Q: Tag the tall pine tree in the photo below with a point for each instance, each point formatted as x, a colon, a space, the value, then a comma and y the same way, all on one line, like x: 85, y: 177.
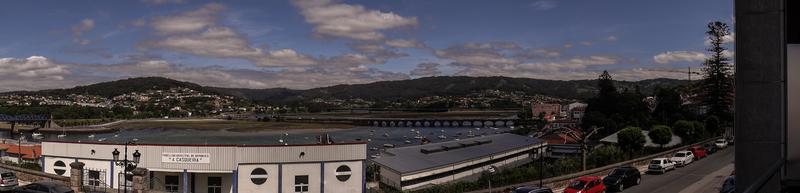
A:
x: 717, y: 85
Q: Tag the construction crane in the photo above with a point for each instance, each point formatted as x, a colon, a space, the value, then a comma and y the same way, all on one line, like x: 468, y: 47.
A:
x: 688, y: 72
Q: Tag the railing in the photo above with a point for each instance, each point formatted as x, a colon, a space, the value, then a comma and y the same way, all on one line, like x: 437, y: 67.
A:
x: 762, y: 180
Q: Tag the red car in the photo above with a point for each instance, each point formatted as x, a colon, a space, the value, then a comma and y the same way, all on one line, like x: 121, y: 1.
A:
x: 586, y: 184
x: 698, y: 151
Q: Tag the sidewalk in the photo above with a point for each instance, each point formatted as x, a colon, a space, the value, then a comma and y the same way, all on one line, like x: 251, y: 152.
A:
x: 711, y: 182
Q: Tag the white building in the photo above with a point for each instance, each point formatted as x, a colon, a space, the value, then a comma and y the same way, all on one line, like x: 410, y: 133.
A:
x: 417, y: 167
x: 313, y: 168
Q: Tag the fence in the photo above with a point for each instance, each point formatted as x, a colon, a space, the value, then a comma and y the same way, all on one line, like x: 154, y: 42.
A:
x: 560, y: 182
x: 34, y: 176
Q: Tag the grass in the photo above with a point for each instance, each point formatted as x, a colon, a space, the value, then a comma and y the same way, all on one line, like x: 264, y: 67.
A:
x: 230, y: 125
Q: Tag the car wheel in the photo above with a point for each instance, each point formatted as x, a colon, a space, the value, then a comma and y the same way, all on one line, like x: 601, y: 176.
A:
x: 638, y: 181
x: 621, y: 187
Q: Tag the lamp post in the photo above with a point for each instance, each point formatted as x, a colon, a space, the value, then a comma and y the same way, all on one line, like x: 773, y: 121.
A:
x: 125, y: 163
x: 491, y: 171
x: 541, y: 152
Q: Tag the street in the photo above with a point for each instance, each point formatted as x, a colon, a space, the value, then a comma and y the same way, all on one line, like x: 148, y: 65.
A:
x: 704, y: 176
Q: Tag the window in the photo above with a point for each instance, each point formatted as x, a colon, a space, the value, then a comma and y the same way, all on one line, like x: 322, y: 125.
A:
x: 343, y: 173
x: 214, y: 184
x: 94, y: 178
x: 258, y: 176
x: 171, y: 183
x: 301, y: 183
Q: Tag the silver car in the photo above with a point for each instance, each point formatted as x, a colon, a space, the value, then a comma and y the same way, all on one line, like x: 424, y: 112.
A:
x: 8, y: 181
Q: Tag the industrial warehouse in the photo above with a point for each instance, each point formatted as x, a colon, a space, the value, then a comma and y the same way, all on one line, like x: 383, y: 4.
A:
x: 415, y: 167
x: 313, y: 168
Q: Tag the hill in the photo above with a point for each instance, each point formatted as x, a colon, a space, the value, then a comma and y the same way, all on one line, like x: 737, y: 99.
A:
x: 446, y: 86
x: 384, y: 90
x: 119, y: 87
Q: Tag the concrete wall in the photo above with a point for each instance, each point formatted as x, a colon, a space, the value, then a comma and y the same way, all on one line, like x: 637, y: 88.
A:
x: 246, y: 185
x: 352, y: 185
x: 760, y: 89
x: 292, y: 170
x: 201, y: 182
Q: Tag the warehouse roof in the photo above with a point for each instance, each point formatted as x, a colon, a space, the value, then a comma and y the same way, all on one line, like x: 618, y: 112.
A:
x: 416, y: 158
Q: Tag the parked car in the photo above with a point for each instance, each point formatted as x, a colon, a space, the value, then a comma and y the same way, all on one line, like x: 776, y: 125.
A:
x: 661, y: 165
x: 682, y: 158
x: 44, y: 187
x: 533, y: 190
x: 625, y: 176
x: 710, y: 148
x: 698, y: 152
x: 586, y: 184
x: 721, y: 143
x: 8, y: 180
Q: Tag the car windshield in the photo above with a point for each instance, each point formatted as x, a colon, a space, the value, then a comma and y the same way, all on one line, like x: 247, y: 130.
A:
x: 679, y: 155
x: 578, y: 184
x: 7, y: 174
x: 655, y: 162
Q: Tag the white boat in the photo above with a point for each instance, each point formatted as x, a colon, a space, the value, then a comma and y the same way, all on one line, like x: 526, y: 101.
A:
x: 37, y: 135
x: 386, y: 134
x: 62, y: 136
x: 101, y: 139
x: 63, y: 133
x: 91, y: 136
x: 369, y: 139
x: 407, y: 142
x: 388, y: 145
x: 442, y: 137
x: 418, y: 137
x: 373, y: 149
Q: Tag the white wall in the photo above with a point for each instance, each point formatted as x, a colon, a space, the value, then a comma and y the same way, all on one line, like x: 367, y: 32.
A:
x: 292, y: 170
x: 352, y: 185
x: 246, y: 185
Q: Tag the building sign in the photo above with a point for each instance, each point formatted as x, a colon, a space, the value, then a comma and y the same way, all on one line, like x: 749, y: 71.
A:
x: 186, y: 158
x: 59, y: 167
x: 343, y: 173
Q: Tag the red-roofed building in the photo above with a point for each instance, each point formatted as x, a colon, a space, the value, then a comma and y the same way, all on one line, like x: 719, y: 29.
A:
x: 12, y: 152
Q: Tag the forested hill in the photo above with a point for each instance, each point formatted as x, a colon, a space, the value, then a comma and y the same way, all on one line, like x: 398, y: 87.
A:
x: 119, y: 87
x: 447, y: 86
x: 384, y: 90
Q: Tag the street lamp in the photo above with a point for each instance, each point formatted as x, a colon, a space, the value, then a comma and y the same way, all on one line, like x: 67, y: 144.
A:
x: 128, y: 165
x: 540, y: 154
x: 491, y: 171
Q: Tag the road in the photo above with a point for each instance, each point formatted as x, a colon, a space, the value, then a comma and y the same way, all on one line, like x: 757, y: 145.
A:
x: 704, y: 176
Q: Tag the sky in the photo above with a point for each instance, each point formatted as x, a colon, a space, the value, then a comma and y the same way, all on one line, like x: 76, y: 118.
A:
x: 303, y: 44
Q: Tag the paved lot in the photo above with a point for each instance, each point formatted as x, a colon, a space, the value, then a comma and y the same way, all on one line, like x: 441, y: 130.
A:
x: 703, y: 176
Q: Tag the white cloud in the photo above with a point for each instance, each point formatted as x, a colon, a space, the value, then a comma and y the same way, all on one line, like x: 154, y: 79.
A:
x: 188, y: 22
x: 679, y: 56
x: 585, y: 43
x: 571, y: 64
x: 349, y: 21
x: 544, y: 4
x: 426, y: 69
x: 730, y: 38
x: 34, y: 67
x: 83, y: 26
x: 401, y: 43
x: 611, y: 38
x: 214, y: 42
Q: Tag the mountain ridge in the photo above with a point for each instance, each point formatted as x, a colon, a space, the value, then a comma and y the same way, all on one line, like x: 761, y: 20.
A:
x: 382, y: 90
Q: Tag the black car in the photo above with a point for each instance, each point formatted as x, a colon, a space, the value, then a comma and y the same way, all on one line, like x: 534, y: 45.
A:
x: 710, y: 148
x: 44, y: 187
x: 532, y: 190
x: 622, y: 177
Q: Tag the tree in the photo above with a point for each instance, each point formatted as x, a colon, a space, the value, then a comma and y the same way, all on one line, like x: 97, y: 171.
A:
x: 631, y: 139
x: 712, y: 125
x: 605, y: 155
x: 683, y: 129
x: 661, y: 135
x: 717, y: 84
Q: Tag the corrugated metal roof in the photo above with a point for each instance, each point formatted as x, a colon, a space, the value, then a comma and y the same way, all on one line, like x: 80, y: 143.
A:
x: 411, y: 159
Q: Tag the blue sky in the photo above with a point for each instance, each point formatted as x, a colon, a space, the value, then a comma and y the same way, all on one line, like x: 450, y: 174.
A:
x: 313, y: 43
